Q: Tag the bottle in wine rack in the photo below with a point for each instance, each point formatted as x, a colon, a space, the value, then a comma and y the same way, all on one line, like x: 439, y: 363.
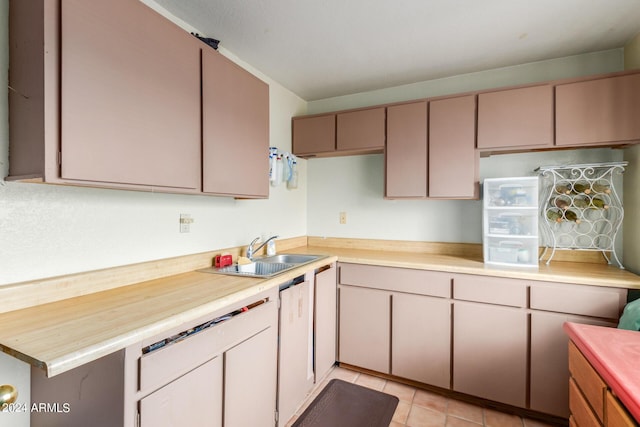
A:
x: 563, y: 189
x: 554, y: 216
x: 581, y: 202
x: 579, y: 188
x: 601, y: 188
x: 599, y: 203
x: 571, y: 216
x: 561, y: 203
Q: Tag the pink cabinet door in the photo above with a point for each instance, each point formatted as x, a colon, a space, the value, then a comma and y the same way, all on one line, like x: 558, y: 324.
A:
x: 361, y: 130
x: 325, y: 322
x: 235, y: 114
x: 130, y: 91
x: 406, y: 151
x: 251, y: 381
x: 421, y: 339
x: 515, y: 118
x: 598, y: 111
x: 294, y: 378
x: 365, y: 334
x: 549, y: 361
x: 490, y: 352
x: 314, y: 135
x: 453, y: 163
x: 194, y: 399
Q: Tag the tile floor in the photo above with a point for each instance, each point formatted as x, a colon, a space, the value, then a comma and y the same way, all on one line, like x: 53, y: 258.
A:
x: 420, y: 408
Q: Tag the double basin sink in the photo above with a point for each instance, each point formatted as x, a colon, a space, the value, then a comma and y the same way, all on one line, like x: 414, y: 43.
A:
x: 265, y: 267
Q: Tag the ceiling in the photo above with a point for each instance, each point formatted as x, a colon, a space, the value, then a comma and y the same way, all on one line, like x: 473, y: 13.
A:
x: 325, y: 48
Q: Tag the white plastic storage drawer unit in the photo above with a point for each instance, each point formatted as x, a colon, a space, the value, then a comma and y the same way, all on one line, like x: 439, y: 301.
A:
x: 510, y: 221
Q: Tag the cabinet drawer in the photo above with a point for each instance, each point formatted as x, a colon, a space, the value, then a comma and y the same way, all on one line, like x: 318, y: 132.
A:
x: 407, y: 280
x: 163, y: 365
x: 491, y: 290
x: 578, y: 299
x: 591, y: 386
x: 616, y: 414
x: 580, y: 409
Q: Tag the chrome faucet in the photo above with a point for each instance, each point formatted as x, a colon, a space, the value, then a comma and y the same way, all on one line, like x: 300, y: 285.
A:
x: 251, y: 250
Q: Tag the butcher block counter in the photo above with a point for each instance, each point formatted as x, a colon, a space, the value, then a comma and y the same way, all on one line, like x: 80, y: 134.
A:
x: 62, y: 335
x: 61, y: 323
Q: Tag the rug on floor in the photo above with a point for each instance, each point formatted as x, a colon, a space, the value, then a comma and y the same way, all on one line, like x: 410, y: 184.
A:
x: 343, y: 404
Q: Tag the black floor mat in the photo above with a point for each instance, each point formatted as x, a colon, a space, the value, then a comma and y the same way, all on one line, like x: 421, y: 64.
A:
x: 343, y: 404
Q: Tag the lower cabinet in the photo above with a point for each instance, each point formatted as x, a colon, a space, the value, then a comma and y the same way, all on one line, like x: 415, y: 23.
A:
x: 549, y: 369
x: 365, y: 334
x: 490, y: 352
x: 295, y: 375
x: 210, y: 377
x: 391, y: 327
x: 498, y: 339
x: 189, y: 400
x: 325, y: 321
x: 307, y: 338
x: 250, y: 382
x: 421, y: 339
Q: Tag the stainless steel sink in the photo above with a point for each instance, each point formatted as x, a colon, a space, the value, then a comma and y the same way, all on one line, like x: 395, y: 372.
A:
x: 265, y: 267
x: 289, y: 258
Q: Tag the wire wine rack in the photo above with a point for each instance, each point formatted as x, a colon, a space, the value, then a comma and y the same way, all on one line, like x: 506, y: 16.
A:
x: 580, y: 208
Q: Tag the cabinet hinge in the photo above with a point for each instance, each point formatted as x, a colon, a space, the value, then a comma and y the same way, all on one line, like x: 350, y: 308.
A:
x: 59, y: 158
x: 275, y: 416
x: 137, y: 420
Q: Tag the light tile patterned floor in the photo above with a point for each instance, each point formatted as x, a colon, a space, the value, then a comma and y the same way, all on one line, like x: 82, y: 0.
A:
x: 420, y: 408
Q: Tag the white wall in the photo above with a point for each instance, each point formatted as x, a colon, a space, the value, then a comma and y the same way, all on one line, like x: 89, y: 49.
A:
x: 54, y: 230
x: 356, y: 184
x: 632, y: 178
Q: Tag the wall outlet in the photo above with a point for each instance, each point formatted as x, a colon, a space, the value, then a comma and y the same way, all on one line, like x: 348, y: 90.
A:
x: 185, y: 223
x: 343, y: 217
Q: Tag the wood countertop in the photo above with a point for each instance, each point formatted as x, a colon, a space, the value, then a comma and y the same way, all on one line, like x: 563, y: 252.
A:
x: 62, y: 335
x: 69, y: 331
x: 614, y: 354
x: 563, y: 272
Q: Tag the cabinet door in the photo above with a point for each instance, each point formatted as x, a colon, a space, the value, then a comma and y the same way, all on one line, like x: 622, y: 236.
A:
x: 453, y: 163
x: 295, y: 377
x: 325, y: 322
x: 365, y: 317
x: 549, y: 361
x: 361, y: 130
x: 598, y: 111
x: 490, y: 352
x: 406, y: 151
x: 421, y: 339
x: 251, y: 381
x: 314, y: 135
x: 235, y: 109
x: 130, y: 90
x: 515, y: 118
x: 194, y: 399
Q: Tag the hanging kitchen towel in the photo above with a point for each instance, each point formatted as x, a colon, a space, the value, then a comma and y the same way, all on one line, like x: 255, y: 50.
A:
x: 630, y: 318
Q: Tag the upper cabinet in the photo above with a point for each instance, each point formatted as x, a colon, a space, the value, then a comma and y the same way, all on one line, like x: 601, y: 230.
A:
x: 361, y: 130
x: 235, y: 129
x: 314, y: 135
x: 453, y: 162
x: 598, y: 111
x: 430, y: 149
x: 108, y: 94
x: 516, y: 118
x: 353, y: 132
x: 406, y: 151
